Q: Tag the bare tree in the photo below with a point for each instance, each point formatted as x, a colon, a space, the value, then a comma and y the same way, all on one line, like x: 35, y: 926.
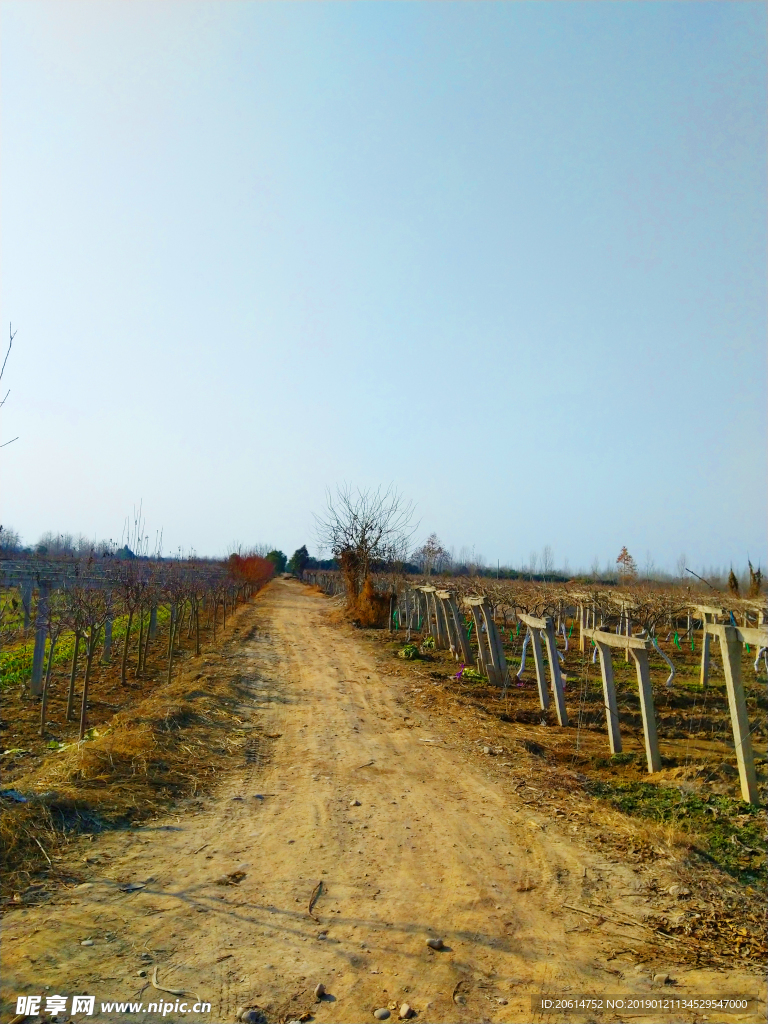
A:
x: 96, y: 608
x: 430, y: 555
x: 547, y: 561
x: 361, y: 527
x: 77, y: 624
x: 649, y: 566
x: 57, y: 622
x: 533, y: 562
x: 680, y: 565
x: 2, y: 371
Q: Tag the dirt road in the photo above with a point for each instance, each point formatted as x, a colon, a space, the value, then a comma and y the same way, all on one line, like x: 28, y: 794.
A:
x: 409, y: 832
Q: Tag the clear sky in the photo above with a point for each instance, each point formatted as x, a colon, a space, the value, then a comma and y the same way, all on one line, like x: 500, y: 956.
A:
x: 510, y: 257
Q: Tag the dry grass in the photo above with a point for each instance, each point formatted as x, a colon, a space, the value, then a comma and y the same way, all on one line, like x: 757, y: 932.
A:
x: 170, y: 745
x: 369, y: 609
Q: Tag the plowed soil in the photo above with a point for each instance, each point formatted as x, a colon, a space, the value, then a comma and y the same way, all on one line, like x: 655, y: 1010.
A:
x: 351, y: 827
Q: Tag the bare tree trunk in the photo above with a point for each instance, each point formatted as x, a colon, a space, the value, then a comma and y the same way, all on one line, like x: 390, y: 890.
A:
x: 92, y: 641
x: 140, y: 645
x: 72, y: 677
x: 124, y: 663
x: 224, y: 609
x: 174, y: 630
x: 171, y: 628
x: 197, y: 631
x: 46, y: 682
x: 215, y: 616
x: 146, y: 648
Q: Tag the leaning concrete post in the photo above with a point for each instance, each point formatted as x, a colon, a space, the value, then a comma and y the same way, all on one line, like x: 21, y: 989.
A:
x: 464, y: 647
x: 443, y: 640
x: 153, y: 622
x: 495, y: 644
x: 483, y: 659
x: 433, y: 612
x: 609, y: 697
x: 450, y: 627
x: 581, y: 627
x: 647, y: 710
x: 538, y: 661
x: 704, y: 671
x: 106, y: 655
x: 554, y: 668
x: 730, y: 649
x: 431, y: 620
x: 41, y: 631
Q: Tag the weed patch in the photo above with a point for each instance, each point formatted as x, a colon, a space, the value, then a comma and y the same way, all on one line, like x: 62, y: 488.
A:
x: 729, y: 833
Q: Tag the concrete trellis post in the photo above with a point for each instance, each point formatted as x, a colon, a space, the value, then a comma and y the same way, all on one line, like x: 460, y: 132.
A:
x: 489, y: 648
x: 443, y: 636
x: 436, y: 618
x: 647, y: 710
x: 546, y: 627
x: 538, y: 661
x: 415, y: 610
x: 731, y: 638
x: 428, y: 618
x: 457, y: 634
x: 484, y: 660
x: 153, y: 622
x: 609, y: 697
x: 41, y: 631
x: 707, y: 615
x: 639, y: 651
x: 26, y: 602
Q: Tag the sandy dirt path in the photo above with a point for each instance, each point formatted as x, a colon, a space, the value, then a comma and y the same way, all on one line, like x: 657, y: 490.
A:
x: 411, y: 837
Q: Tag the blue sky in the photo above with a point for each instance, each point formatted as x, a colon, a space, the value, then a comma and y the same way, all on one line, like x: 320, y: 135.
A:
x: 510, y: 257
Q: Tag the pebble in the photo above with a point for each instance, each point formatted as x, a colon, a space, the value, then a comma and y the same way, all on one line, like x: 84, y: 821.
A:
x: 502, y: 1002
x: 406, y: 1012
x: 661, y: 979
x: 141, y: 974
x: 381, y: 1014
x: 435, y: 943
x: 87, y: 942
x: 319, y: 991
x: 354, y: 803
x: 251, y: 1017
x: 678, y: 890
x: 487, y: 750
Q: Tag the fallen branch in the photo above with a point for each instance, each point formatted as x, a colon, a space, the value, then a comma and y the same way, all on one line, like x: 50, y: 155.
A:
x: 313, y: 899
x: 171, y: 991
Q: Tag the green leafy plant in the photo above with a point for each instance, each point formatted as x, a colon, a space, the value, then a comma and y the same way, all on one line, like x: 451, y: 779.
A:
x: 410, y: 652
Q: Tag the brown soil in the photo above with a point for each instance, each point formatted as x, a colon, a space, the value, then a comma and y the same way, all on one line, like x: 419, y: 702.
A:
x: 534, y: 887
